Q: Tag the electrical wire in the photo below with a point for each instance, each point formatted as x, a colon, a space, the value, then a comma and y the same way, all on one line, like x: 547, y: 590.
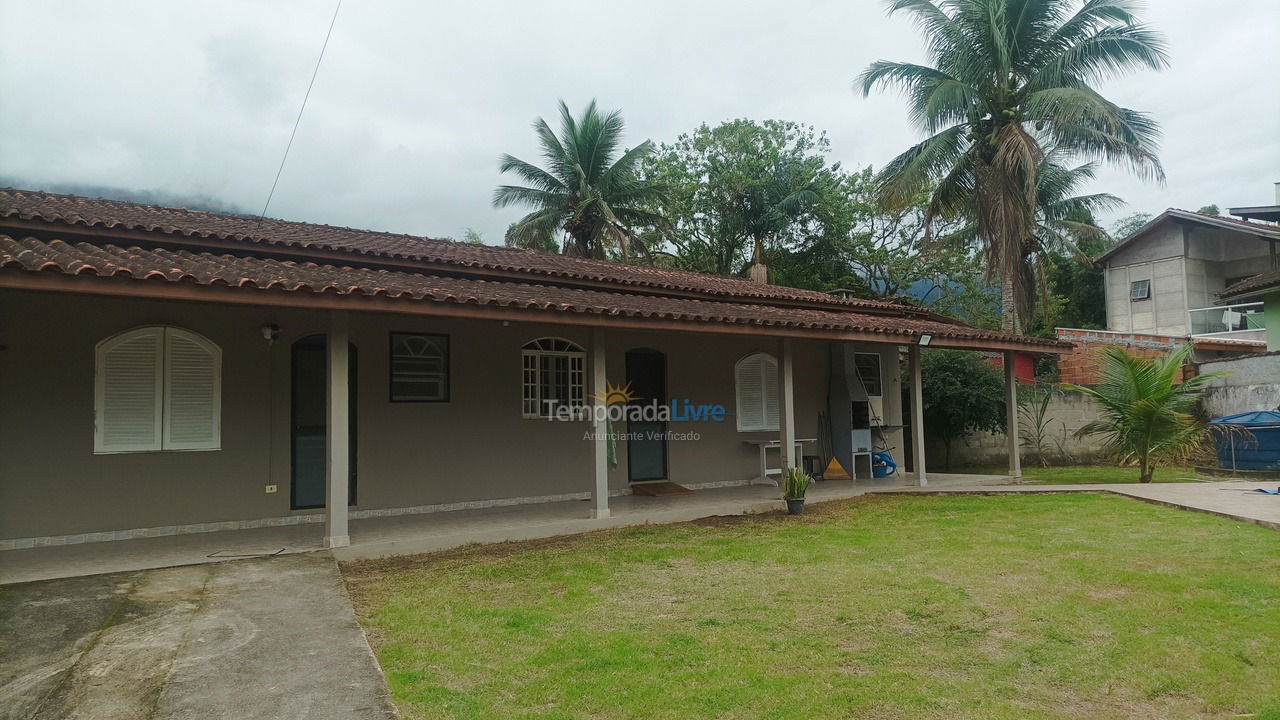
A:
x: 298, y: 121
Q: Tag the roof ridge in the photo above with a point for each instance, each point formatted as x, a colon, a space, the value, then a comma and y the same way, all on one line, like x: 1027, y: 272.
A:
x: 687, y: 280
x: 1238, y: 221
x: 188, y: 267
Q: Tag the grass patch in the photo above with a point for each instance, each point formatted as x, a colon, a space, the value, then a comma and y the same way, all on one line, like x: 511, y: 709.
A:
x: 1091, y: 474
x: 1055, y: 606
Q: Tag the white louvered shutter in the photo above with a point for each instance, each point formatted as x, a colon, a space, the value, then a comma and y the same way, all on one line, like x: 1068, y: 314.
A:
x: 129, y: 392
x: 769, y: 370
x: 192, y: 392
x: 750, y: 388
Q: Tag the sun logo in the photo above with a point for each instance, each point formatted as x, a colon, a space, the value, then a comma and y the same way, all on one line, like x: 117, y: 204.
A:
x: 615, y: 394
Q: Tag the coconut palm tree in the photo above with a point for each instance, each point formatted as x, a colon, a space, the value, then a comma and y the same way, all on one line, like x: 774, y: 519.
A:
x: 1064, y: 221
x: 588, y: 191
x: 1146, y: 414
x: 1008, y: 79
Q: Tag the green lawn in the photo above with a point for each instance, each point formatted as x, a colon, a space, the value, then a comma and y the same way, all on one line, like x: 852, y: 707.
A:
x: 1089, y: 474
x: 1051, y: 606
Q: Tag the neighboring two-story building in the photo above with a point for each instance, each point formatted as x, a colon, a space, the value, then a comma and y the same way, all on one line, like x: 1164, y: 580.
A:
x: 1168, y: 284
x: 1165, y: 278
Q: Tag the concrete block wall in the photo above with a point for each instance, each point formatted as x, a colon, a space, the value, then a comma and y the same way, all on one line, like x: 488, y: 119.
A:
x: 1254, y: 384
x: 1068, y: 412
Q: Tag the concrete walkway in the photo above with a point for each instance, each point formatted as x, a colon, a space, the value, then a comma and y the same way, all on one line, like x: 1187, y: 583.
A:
x: 265, y: 638
x: 1235, y: 499
x: 429, y: 532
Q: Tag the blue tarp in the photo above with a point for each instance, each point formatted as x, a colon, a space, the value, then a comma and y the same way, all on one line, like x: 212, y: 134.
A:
x: 1259, y: 452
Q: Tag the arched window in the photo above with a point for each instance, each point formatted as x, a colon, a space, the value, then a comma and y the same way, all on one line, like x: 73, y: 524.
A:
x: 157, y: 388
x: 553, y: 375
x: 756, y: 379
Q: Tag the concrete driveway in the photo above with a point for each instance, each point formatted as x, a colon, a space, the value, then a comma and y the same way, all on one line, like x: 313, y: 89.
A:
x: 258, y: 638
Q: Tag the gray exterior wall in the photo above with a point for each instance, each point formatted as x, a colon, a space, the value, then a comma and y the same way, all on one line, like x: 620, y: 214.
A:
x: 1067, y: 413
x: 1158, y: 258
x: 1253, y: 384
x: 1187, y: 265
x: 474, y: 447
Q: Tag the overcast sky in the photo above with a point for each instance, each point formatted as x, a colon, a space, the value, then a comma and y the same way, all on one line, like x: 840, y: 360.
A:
x: 416, y: 100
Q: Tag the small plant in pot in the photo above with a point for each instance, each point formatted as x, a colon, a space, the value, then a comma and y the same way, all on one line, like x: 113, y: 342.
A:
x: 795, y: 482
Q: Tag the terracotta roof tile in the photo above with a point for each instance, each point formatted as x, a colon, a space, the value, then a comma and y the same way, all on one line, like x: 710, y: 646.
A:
x: 1261, y: 281
x: 213, y: 269
x: 223, y: 230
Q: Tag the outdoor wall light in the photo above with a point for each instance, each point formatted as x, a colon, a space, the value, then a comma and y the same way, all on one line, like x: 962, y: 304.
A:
x: 270, y: 332
x: 925, y: 339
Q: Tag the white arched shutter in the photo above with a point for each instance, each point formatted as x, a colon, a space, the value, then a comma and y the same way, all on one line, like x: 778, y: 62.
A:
x: 756, y: 378
x: 192, y: 392
x: 770, y: 372
x: 129, y: 392
x: 750, y: 395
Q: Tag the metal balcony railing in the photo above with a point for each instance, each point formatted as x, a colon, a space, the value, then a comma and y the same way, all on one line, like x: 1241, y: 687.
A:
x: 1223, y: 319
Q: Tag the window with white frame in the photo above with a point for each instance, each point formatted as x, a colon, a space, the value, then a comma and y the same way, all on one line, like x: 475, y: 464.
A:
x: 157, y: 388
x: 1139, y: 290
x: 868, y: 366
x: 553, y: 377
x: 419, y: 367
x: 756, y: 382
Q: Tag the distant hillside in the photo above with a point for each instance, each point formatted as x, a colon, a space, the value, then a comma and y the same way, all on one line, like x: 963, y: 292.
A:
x: 148, y: 197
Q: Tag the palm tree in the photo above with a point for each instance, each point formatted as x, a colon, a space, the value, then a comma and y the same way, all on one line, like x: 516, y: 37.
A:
x: 588, y: 190
x: 1064, y: 222
x: 1145, y: 412
x: 1010, y: 77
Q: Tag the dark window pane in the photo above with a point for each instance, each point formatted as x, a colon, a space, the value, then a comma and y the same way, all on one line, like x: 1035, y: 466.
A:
x: 419, y: 368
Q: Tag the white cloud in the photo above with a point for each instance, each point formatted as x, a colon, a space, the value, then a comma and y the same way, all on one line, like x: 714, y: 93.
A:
x: 415, y: 102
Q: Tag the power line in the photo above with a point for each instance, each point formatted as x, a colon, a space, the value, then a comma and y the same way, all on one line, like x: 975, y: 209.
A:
x: 298, y: 121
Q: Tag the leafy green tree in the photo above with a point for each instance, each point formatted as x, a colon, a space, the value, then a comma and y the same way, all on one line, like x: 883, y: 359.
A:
x: 744, y: 190
x: 1011, y: 80
x: 1146, y: 413
x: 1079, y: 285
x: 1210, y: 210
x: 589, y: 190
x: 1130, y: 224
x: 963, y: 394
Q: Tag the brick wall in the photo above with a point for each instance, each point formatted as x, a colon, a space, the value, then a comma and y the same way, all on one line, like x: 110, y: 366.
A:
x: 1080, y: 366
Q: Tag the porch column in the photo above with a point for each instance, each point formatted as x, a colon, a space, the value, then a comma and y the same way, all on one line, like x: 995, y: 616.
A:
x: 1011, y: 414
x: 786, y: 409
x: 917, y: 413
x: 337, y: 435
x: 599, y: 428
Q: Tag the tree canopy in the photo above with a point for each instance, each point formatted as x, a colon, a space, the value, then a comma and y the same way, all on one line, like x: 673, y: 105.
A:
x: 743, y: 190
x: 588, y: 190
x: 963, y: 394
x: 1012, y: 81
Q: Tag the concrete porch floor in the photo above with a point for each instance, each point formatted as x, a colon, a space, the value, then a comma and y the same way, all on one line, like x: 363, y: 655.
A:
x: 409, y: 534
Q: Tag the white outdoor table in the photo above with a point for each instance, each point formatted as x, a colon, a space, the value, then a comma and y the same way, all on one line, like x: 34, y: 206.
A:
x: 766, y: 473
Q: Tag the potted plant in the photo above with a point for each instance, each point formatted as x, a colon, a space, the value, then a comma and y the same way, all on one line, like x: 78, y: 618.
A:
x: 794, y: 484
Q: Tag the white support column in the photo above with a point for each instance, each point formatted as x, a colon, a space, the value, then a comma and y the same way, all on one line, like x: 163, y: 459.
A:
x: 599, y: 429
x: 337, y: 435
x: 917, y: 413
x: 1011, y: 414
x: 786, y: 409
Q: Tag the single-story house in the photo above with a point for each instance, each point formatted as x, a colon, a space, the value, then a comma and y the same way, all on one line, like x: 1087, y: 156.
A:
x: 167, y: 371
